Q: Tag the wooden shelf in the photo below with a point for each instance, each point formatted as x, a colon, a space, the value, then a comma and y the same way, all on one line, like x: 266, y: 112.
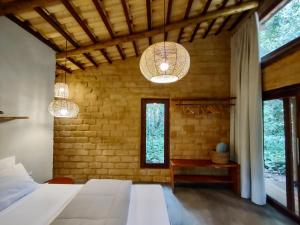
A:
x: 13, y: 117
x: 205, y: 179
x: 233, y: 169
x: 199, y: 163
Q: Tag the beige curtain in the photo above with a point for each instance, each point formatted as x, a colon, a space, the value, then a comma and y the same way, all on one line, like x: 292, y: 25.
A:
x: 246, y: 116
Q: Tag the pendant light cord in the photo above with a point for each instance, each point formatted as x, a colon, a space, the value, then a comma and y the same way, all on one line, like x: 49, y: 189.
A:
x: 66, y: 61
x: 165, y: 54
x: 164, y: 16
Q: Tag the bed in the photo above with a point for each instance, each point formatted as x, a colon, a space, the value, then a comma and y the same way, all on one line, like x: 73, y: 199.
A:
x: 98, y: 202
x: 147, y: 205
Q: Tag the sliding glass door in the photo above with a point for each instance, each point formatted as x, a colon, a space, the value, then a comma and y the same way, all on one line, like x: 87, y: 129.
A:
x: 274, y: 150
x: 281, y: 147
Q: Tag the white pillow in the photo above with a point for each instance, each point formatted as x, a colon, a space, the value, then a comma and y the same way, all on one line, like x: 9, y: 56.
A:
x: 16, y: 170
x: 15, y: 183
x: 7, y: 162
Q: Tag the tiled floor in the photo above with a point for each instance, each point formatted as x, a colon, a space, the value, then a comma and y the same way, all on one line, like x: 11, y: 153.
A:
x: 213, y: 206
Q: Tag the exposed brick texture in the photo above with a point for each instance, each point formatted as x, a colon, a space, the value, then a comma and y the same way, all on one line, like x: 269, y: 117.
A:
x: 104, y: 141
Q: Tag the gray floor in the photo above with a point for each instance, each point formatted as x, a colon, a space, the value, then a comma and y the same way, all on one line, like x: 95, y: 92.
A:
x: 213, y: 206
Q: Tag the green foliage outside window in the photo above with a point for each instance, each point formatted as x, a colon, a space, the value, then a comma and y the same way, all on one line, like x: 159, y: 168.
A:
x: 281, y: 28
x: 274, y: 137
x: 155, y: 113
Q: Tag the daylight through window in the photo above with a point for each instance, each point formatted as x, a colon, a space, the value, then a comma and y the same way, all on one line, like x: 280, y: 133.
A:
x: 280, y: 28
x: 155, y: 137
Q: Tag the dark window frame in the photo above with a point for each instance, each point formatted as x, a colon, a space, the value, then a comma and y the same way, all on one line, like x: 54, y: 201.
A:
x: 284, y: 93
x: 143, y: 163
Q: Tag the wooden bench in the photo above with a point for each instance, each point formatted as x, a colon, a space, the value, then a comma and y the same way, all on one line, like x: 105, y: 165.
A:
x: 233, y: 177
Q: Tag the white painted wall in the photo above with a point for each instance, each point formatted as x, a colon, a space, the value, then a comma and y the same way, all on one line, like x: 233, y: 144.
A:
x: 27, y: 72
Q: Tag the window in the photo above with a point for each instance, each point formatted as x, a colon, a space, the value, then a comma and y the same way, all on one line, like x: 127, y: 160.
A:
x: 281, y: 28
x: 155, y: 133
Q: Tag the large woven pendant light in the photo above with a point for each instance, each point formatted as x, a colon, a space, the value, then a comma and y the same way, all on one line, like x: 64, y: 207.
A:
x: 165, y: 62
x: 61, y: 106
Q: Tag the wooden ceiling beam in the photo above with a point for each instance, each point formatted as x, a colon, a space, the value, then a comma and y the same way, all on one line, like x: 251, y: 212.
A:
x: 80, y: 21
x: 237, y: 21
x: 211, y: 24
x: 56, y: 25
x: 27, y: 26
x: 149, y: 18
x: 204, y: 11
x: 129, y: 24
x: 19, y: 6
x: 214, y: 21
x: 84, y: 26
x: 76, y: 63
x: 90, y: 58
x: 158, y: 30
x: 104, y: 53
x: 100, y: 9
x: 61, y: 67
x: 226, y: 20
x: 170, y: 5
x: 186, y: 16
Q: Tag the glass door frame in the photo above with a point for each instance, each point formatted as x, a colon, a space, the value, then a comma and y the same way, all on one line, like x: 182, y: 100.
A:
x: 285, y: 94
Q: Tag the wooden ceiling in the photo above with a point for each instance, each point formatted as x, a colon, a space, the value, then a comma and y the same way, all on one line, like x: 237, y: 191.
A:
x: 102, y: 31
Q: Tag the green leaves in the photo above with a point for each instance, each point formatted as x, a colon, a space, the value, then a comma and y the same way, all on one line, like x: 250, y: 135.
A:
x: 155, y: 133
x: 281, y: 28
x: 274, y: 137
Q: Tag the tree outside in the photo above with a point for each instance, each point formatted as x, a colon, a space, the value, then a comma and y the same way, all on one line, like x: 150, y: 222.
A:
x: 281, y: 28
x: 155, y: 113
x: 274, y: 137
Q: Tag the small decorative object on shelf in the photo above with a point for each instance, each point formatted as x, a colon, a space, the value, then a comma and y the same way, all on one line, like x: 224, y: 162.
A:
x: 219, y: 157
x: 222, y: 147
x: 221, y: 154
x: 1, y: 112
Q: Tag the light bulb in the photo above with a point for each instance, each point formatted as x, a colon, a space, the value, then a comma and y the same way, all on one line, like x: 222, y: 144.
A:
x: 63, y: 112
x: 164, y: 66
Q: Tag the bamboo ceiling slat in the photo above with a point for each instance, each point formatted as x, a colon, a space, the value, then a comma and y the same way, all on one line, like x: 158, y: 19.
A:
x: 120, y: 25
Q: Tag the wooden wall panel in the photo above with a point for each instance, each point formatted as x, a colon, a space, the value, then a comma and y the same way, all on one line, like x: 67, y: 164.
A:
x: 284, y: 72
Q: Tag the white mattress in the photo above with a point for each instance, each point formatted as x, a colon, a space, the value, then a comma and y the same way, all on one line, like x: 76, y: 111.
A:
x: 41, y: 206
x: 147, y: 205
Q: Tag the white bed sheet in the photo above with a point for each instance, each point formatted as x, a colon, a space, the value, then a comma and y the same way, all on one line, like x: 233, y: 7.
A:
x: 41, y: 207
x: 147, y: 206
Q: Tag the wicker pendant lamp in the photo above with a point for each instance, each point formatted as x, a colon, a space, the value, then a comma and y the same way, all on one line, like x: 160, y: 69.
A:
x: 61, y: 106
x: 165, y: 62
x: 61, y: 90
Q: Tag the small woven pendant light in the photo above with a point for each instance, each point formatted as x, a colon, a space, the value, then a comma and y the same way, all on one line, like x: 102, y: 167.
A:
x: 61, y: 90
x: 165, y: 62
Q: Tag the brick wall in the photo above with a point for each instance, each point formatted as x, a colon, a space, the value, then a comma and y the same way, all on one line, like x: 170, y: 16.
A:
x: 104, y: 141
